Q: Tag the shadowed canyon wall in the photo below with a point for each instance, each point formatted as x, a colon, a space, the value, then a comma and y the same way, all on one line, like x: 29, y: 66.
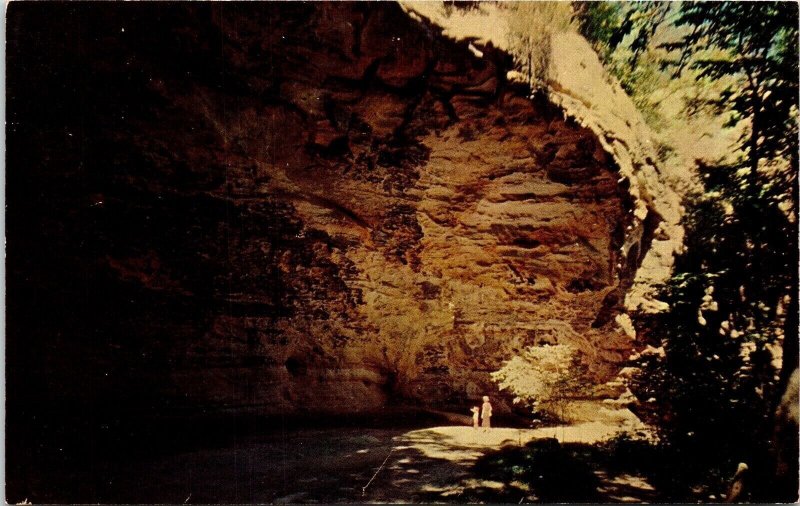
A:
x: 296, y: 207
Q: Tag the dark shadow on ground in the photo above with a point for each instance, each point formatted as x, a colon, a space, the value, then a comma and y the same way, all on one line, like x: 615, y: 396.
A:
x: 241, y: 457
x: 552, y: 472
x: 257, y: 462
x: 619, y: 470
x: 541, y: 471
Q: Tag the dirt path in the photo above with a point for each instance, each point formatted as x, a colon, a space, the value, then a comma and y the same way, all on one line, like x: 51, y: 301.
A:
x: 461, y: 464
x: 436, y: 464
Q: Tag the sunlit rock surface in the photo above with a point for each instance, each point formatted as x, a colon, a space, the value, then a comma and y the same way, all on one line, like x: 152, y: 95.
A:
x: 311, y: 207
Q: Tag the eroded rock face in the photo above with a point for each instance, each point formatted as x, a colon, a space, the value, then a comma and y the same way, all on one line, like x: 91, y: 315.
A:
x: 324, y: 207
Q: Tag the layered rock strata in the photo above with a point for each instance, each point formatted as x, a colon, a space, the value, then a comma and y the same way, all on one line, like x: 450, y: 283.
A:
x: 300, y: 207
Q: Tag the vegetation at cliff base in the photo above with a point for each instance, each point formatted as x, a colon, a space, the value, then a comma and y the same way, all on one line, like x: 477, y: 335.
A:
x: 730, y: 334
x: 544, y: 378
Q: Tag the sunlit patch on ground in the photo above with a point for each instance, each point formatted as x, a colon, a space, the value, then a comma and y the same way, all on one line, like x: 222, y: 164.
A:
x: 459, y: 443
x: 625, y: 488
x: 463, y: 464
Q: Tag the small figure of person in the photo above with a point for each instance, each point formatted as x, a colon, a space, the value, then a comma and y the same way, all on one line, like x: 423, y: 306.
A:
x: 486, y: 414
x: 475, y: 415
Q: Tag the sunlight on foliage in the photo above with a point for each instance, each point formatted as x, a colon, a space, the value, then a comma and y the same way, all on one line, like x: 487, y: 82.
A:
x: 544, y: 378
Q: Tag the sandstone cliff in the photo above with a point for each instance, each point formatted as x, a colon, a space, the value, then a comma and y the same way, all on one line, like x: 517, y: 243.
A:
x: 324, y: 207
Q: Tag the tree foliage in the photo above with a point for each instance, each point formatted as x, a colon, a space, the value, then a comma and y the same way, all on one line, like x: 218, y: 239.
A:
x: 607, y: 24
x: 713, y: 386
x: 544, y: 378
x: 621, y: 34
x: 733, y: 295
x: 757, y: 42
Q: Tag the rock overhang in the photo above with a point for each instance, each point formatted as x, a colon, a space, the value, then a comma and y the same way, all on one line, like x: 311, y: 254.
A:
x: 362, y: 211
